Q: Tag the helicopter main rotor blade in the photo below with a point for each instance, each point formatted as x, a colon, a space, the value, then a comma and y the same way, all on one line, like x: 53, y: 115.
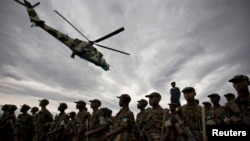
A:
x: 112, y: 49
x: 110, y: 34
x: 71, y: 24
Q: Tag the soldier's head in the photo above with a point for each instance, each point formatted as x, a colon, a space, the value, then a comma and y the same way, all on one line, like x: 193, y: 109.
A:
x: 214, y: 97
x: 142, y: 103
x: 34, y: 109
x: 240, y: 83
x: 229, y: 96
x: 80, y: 104
x: 5, y: 107
x: 24, y: 108
x: 12, y: 108
x: 189, y: 93
x: 95, y: 103
x: 124, y: 99
x: 43, y: 102
x: 207, y: 104
x: 154, y: 98
x: 72, y: 115
x: 62, y: 107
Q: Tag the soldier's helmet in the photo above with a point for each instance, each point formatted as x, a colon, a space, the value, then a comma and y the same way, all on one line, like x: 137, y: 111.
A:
x: 25, y: 107
x: 145, y: 102
x: 44, y: 101
x: 126, y: 97
x: 239, y: 77
x: 34, y: 109
x: 96, y: 101
x: 81, y: 102
x: 154, y: 94
x: 188, y: 89
x: 63, y: 106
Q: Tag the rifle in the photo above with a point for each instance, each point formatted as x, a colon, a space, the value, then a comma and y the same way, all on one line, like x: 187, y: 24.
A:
x: 186, y: 130
x: 142, y: 133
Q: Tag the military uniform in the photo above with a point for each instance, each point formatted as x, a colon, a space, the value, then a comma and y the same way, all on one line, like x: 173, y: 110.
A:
x: 82, y: 118
x: 24, y: 126
x: 217, y: 113
x: 155, y: 118
x: 240, y: 107
x: 43, y: 119
x: 60, y: 120
x: 124, y: 118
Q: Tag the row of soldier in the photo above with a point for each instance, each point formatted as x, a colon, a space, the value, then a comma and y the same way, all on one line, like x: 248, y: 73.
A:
x: 176, y: 123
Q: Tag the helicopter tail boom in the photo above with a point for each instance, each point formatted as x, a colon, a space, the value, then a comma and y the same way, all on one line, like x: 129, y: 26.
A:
x: 30, y: 9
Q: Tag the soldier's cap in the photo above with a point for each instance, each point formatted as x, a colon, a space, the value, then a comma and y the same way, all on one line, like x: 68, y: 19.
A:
x: 206, y: 103
x: 81, y: 102
x: 96, y: 101
x: 172, y: 103
x: 213, y: 95
x: 25, y: 107
x: 188, y: 89
x: 239, y: 77
x: 229, y: 95
x: 45, y: 101
x: 154, y: 94
x: 143, y: 100
x: 125, y: 96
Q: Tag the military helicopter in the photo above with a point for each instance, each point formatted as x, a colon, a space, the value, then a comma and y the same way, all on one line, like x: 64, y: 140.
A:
x: 83, y: 49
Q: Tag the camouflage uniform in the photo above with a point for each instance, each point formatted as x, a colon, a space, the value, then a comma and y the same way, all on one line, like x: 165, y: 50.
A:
x: 124, y: 118
x: 96, y: 121
x: 155, y: 118
x: 24, y: 125
x: 82, y: 118
x: 154, y: 121
x: 60, y: 120
x: 190, y: 116
x: 217, y: 113
x: 240, y: 106
x: 44, y: 118
x: 69, y: 129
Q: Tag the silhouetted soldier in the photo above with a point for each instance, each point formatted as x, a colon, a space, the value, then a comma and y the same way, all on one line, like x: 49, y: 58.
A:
x: 190, y: 115
x: 242, y: 100
x: 24, y: 124
x: 175, y: 94
x: 140, y: 117
x: 57, y: 127
x: 3, y: 121
x: 82, y: 118
x: 156, y: 117
x: 123, y: 121
x: 34, y: 130
x: 218, y: 112
x: 44, y: 118
x: 10, y: 123
x: 70, y: 127
x: 97, y: 122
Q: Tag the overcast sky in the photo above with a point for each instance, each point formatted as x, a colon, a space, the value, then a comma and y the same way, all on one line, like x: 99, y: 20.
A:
x: 197, y: 43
